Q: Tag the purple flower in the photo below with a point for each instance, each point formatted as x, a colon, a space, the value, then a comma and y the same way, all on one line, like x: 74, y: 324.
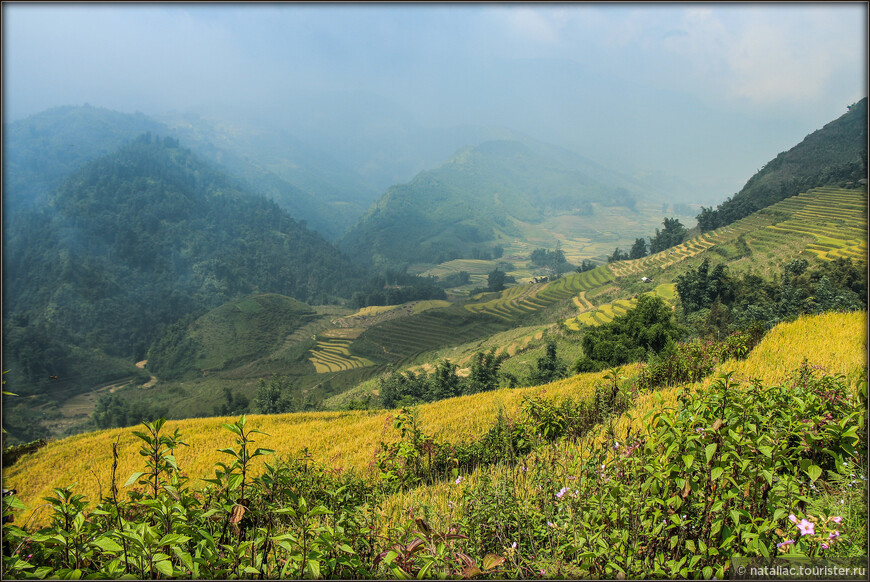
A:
x: 833, y: 535
x: 824, y: 546
x: 458, y: 480
x: 514, y: 545
x: 793, y: 518
x: 550, y: 524
x: 562, y: 492
x: 784, y: 544
x: 807, y: 528
x: 837, y: 519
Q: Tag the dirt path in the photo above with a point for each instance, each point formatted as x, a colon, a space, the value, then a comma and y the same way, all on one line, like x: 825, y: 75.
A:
x: 151, y: 381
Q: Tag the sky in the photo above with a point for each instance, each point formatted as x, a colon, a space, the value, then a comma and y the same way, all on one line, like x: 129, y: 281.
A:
x: 706, y: 92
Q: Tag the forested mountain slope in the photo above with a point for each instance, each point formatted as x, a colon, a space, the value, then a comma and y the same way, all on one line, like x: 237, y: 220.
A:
x: 39, y: 152
x: 473, y: 199
x: 835, y: 155
x: 138, y: 239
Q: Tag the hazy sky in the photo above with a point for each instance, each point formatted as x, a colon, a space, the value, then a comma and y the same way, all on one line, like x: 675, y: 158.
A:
x: 705, y: 92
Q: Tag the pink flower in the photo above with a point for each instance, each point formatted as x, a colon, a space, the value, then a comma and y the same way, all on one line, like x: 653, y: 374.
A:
x: 458, y: 480
x: 784, y: 544
x: 833, y: 535
x: 793, y: 518
x: 824, y: 546
x: 837, y: 519
x: 807, y: 528
x: 514, y: 545
x: 562, y: 492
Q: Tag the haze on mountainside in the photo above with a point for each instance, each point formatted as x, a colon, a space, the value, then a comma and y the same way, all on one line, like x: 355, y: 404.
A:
x: 691, y: 95
x: 134, y: 223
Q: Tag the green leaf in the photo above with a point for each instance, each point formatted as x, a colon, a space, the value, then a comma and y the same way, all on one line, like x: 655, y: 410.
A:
x: 234, y: 480
x: 766, y: 451
x: 107, y: 544
x: 173, y: 540
x: 314, y: 568
x: 716, y: 473
x: 814, y: 471
x: 133, y: 478
x: 688, y: 460
x: 710, y: 450
x: 164, y: 567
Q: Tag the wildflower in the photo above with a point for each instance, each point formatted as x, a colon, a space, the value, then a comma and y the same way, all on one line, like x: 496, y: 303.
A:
x: 833, y: 535
x: 514, y: 545
x: 837, y: 518
x: 807, y: 528
x: 792, y: 518
x: 458, y: 480
x: 824, y: 546
x: 562, y: 492
x: 543, y: 573
x: 615, y: 445
x: 550, y: 524
x: 784, y: 544
x: 450, y: 504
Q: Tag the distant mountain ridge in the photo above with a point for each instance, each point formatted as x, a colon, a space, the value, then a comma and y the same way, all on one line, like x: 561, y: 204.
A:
x: 473, y: 199
x: 140, y: 238
x: 835, y: 155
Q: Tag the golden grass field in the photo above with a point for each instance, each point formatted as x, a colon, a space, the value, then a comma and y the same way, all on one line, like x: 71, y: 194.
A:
x: 837, y: 342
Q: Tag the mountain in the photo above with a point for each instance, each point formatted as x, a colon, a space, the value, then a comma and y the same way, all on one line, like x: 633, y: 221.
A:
x: 475, y: 199
x: 41, y: 151
x: 835, y: 155
x: 138, y: 239
x: 311, y: 184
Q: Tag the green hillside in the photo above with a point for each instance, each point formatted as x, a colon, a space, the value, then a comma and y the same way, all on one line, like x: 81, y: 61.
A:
x: 835, y: 155
x: 232, y: 335
x: 133, y: 242
x: 39, y: 152
x: 472, y: 202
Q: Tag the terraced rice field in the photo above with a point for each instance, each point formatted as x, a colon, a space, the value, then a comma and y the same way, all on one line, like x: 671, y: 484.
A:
x: 521, y: 300
x: 690, y: 248
x: 331, y: 353
x: 836, y: 219
x: 605, y: 313
x: 403, y: 338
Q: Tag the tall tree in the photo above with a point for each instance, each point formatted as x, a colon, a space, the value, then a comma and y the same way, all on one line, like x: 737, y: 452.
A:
x: 638, y: 249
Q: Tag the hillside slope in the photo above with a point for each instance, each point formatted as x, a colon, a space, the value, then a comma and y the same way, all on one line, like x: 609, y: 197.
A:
x: 835, y: 155
x: 836, y: 342
x: 136, y: 240
x: 474, y: 199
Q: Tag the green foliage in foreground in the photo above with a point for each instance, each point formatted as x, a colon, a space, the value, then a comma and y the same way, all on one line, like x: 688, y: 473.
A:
x: 730, y: 472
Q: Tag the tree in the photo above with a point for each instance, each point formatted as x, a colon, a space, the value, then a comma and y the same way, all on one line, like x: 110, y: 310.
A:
x: 673, y: 234
x: 617, y: 255
x: 638, y: 249
x: 699, y: 288
x: 549, y: 367
x: 495, y: 280
x: 274, y: 397
x: 484, y: 372
x: 445, y: 383
x: 649, y: 327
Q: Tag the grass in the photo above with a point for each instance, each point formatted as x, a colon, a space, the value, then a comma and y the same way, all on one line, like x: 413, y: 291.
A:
x: 837, y: 342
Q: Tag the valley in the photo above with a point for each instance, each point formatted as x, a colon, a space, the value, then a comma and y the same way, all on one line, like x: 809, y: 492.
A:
x: 498, y: 314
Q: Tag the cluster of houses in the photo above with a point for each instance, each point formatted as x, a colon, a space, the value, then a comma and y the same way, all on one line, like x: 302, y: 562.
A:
x: 539, y: 280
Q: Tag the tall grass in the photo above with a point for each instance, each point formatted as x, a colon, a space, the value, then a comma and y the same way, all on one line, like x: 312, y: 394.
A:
x: 836, y: 342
